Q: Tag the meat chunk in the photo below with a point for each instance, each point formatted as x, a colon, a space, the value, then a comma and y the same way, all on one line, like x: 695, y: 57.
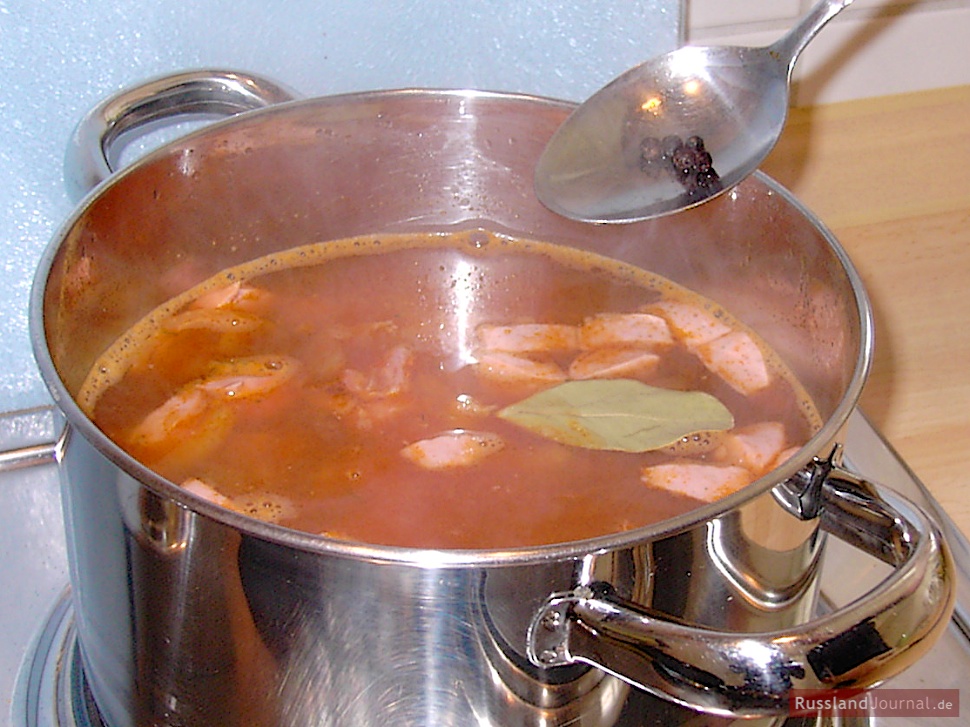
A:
x: 459, y: 448
x: 246, y: 378
x: 755, y: 447
x: 235, y: 308
x: 784, y: 456
x: 738, y: 360
x: 509, y: 367
x: 706, y: 482
x: 186, y: 404
x: 528, y: 338
x: 206, y: 492
x: 639, y: 330
x: 206, y: 397
x: 691, y: 324
x: 267, y: 506
x: 390, y: 378
x: 216, y: 320
x: 613, y: 363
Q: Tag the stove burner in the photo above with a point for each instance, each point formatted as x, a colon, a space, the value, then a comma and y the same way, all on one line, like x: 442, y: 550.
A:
x: 52, y: 689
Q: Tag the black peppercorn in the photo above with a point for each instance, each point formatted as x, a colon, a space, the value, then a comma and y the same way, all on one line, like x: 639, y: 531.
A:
x: 708, y: 179
x: 671, y: 144
x: 686, y: 161
x: 683, y: 159
x: 695, y: 142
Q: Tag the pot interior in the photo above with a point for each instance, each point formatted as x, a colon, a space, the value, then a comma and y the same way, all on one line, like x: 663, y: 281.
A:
x: 416, y: 161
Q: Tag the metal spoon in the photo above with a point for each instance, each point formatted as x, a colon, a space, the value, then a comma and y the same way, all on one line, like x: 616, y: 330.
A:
x: 603, y: 164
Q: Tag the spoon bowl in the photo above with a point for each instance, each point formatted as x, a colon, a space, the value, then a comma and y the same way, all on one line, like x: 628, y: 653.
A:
x: 615, y: 158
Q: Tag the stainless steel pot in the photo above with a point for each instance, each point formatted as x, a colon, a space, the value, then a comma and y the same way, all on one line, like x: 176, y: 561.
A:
x: 191, y: 615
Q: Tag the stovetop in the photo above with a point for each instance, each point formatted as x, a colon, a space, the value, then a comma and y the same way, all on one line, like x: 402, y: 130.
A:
x: 41, y: 684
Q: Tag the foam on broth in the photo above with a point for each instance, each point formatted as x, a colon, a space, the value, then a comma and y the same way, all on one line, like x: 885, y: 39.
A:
x: 292, y: 387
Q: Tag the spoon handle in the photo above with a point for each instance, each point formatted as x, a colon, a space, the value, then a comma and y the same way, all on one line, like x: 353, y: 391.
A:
x: 787, y: 48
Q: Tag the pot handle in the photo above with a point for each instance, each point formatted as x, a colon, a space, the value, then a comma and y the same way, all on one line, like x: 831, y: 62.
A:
x: 92, y: 156
x: 755, y: 674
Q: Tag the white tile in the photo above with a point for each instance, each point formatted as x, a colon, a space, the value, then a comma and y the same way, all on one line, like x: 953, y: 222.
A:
x: 874, y: 48
x: 734, y: 13
x: 871, y: 53
x: 894, y: 5
x: 859, y: 4
x: 742, y: 35
x: 860, y: 56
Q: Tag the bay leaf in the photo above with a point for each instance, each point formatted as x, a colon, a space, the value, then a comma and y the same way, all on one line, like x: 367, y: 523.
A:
x: 618, y: 414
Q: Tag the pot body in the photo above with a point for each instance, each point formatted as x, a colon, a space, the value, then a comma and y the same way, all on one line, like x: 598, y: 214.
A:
x: 186, y: 620
x: 188, y: 615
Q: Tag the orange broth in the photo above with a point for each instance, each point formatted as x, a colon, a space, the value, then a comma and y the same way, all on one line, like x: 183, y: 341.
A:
x: 376, y: 341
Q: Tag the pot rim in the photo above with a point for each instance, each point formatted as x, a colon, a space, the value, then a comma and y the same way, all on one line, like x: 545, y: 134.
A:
x: 425, y: 557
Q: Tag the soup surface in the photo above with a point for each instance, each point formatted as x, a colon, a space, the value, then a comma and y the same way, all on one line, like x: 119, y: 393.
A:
x: 366, y: 389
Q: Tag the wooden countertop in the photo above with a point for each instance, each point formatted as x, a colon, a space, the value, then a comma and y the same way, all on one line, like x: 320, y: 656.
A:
x: 891, y: 177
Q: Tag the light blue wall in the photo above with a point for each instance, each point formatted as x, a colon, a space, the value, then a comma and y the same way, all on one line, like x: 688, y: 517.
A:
x: 57, y: 59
